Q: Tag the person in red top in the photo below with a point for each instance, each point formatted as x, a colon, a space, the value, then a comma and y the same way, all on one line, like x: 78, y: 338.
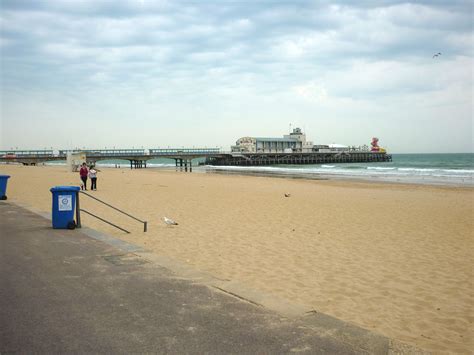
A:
x: 83, y: 173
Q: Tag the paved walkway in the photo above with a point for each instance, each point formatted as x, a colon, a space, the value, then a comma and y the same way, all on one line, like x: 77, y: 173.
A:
x: 63, y: 291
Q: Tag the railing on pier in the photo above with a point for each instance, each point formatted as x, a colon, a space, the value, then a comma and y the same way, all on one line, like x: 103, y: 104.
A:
x: 108, y: 153
x: 104, y: 152
x: 79, y: 210
x: 26, y: 153
x: 175, y: 151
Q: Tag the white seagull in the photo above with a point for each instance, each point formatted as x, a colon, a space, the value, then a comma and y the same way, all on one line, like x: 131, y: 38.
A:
x: 169, y: 221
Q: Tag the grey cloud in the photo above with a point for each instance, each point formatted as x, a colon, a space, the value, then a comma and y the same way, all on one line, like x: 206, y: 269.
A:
x: 159, y: 40
x: 100, y: 8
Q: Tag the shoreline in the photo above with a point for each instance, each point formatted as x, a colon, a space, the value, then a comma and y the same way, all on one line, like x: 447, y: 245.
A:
x: 329, y: 177
x: 297, y: 175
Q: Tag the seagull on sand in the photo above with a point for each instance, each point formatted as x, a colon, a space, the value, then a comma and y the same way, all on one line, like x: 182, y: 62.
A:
x: 169, y: 221
x: 437, y: 54
x: 287, y: 195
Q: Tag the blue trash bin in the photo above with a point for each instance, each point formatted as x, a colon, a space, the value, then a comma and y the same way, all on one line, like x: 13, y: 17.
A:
x: 3, y: 186
x: 64, y: 203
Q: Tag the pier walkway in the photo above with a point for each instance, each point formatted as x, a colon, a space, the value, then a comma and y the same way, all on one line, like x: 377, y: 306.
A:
x: 65, y: 292
x: 137, y: 157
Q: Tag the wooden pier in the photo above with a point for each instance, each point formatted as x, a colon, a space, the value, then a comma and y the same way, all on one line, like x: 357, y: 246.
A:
x: 138, y: 158
x: 184, y: 157
x: 256, y: 159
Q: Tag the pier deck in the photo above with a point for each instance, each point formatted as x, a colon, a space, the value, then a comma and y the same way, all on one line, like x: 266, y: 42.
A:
x: 213, y: 156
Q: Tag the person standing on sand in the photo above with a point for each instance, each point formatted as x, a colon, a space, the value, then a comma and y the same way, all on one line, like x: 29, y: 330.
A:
x: 93, y: 176
x: 83, y: 173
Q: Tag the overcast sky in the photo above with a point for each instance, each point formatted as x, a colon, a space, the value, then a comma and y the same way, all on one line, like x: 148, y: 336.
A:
x: 190, y: 73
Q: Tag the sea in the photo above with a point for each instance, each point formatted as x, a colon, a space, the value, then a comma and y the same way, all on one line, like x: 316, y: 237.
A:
x: 432, y: 169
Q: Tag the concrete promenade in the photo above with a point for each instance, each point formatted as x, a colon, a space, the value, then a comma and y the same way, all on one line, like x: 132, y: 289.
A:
x: 67, y: 291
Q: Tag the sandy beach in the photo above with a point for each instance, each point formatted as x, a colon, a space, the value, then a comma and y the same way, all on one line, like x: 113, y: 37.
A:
x: 396, y: 259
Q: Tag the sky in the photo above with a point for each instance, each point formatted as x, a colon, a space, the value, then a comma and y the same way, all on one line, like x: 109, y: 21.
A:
x: 185, y: 73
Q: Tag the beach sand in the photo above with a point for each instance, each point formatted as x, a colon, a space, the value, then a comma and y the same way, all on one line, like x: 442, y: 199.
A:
x: 396, y: 259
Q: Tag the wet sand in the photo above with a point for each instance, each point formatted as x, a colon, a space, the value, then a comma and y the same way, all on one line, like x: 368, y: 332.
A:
x: 396, y: 259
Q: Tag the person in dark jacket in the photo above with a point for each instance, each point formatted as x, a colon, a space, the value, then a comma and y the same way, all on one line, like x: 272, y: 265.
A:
x: 83, y: 173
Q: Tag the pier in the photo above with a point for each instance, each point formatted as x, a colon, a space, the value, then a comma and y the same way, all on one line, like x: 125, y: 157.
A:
x: 138, y: 158
x: 183, y: 157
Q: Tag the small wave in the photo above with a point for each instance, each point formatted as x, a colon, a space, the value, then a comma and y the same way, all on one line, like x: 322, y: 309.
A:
x: 380, y: 168
x: 328, y: 166
x: 449, y: 176
x: 459, y: 171
x: 421, y: 170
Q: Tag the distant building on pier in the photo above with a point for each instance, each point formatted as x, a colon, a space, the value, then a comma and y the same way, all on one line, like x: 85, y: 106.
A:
x: 296, y: 142
x: 293, y: 142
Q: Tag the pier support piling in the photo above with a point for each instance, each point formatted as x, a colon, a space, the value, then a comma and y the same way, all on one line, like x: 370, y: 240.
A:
x: 137, y: 164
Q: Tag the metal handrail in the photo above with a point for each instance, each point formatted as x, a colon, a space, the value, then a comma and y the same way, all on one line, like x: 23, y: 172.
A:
x: 103, y: 220
x: 145, y: 223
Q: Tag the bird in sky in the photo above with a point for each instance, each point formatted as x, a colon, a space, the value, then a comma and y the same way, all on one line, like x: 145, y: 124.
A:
x: 169, y: 221
x: 437, y: 54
